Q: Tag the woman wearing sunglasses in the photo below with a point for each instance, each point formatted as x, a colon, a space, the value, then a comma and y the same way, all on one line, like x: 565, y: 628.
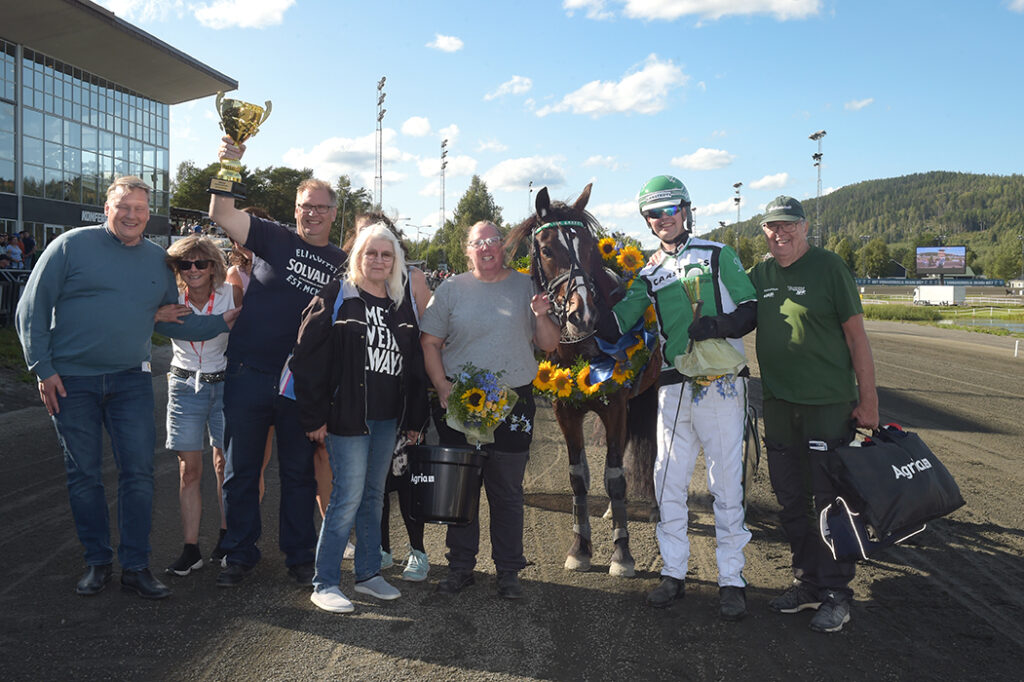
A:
x: 195, y: 386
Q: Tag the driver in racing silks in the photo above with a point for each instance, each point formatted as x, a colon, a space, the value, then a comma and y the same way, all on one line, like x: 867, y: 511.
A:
x: 691, y: 415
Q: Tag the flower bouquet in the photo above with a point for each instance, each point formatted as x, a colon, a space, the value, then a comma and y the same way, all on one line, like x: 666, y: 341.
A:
x: 478, y: 403
x: 711, y: 362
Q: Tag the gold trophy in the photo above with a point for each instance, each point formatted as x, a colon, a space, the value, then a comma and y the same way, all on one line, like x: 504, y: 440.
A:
x: 240, y: 121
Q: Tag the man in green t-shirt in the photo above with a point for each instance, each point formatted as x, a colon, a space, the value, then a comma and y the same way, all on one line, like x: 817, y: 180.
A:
x: 818, y: 378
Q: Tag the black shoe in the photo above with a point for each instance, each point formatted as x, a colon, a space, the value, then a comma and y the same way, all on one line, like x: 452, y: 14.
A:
x: 732, y: 602
x: 94, y: 580
x: 666, y: 592
x: 509, y: 586
x: 143, y: 583
x: 454, y: 582
x: 219, y: 555
x: 232, y: 575
x: 191, y: 559
x: 303, y: 573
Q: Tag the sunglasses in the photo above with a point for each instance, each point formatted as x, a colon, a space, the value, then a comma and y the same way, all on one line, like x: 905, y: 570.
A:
x: 186, y: 265
x: 660, y: 212
x: 484, y: 243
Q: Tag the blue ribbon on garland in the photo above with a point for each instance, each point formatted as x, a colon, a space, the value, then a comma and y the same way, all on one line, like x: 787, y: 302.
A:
x: 613, y: 352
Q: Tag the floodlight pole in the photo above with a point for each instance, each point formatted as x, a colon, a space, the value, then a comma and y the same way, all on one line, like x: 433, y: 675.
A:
x: 736, y: 199
x: 444, y: 165
x: 817, y: 164
x: 1021, y: 238
x: 378, y: 179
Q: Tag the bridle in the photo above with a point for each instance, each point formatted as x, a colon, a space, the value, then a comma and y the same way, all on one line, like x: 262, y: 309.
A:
x: 576, y: 277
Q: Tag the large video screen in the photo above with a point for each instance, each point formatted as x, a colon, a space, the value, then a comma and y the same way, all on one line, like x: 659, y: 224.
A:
x: 941, y: 260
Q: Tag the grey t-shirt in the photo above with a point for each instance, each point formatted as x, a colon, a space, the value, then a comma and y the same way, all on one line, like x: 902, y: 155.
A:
x: 487, y: 324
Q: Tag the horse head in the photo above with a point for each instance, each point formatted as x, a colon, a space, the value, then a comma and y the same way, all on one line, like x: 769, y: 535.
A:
x: 565, y: 261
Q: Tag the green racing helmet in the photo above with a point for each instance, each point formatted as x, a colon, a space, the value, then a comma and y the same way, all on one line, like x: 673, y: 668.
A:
x: 663, y: 191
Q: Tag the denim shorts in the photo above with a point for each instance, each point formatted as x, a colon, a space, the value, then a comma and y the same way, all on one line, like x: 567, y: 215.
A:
x: 189, y: 413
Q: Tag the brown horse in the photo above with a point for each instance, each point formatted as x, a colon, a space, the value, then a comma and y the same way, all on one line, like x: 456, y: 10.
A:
x: 566, y: 263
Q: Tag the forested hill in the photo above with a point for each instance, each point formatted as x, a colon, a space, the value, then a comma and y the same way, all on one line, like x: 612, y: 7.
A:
x: 985, y: 212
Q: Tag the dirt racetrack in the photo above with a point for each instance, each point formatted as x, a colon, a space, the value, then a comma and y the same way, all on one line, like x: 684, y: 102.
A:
x: 950, y: 606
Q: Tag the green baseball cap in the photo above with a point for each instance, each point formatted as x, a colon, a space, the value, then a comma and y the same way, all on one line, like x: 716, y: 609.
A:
x: 783, y: 208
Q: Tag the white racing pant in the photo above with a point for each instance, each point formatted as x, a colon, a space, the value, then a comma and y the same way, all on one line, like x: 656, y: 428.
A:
x: 684, y: 427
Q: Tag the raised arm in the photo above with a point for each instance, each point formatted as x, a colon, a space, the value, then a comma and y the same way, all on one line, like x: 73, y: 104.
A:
x: 234, y: 222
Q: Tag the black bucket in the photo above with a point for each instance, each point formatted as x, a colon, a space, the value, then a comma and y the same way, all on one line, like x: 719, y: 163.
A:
x: 445, y: 484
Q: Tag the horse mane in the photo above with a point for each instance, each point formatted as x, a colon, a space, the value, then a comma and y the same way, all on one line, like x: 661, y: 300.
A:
x: 558, y: 210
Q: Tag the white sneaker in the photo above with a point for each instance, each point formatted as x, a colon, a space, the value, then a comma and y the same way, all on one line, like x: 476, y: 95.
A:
x: 416, y: 567
x: 332, y: 600
x: 379, y: 588
x: 386, y: 560
x: 350, y: 551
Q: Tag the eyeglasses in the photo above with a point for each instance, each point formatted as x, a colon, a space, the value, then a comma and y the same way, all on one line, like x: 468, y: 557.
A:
x: 782, y: 225
x: 660, y: 212
x: 315, y: 208
x: 484, y: 243
x: 186, y: 265
x: 385, y: 257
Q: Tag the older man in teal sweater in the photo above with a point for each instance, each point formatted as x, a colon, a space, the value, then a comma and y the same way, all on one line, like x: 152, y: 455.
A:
x: 85, y: 320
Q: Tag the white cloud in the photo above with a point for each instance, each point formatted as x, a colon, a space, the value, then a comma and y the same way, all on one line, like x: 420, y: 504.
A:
x: 416, y: 126
x: 703, y: 86
x: 606, y: 161
x: 1017, y: 5
x: 517, y: 85
x: 595, y: 9
x: 717, y: 133
x: 490, y: 146
x: 241, y: 13
x: 611, y: 211
x: 144, y: 10
x: 457, y: 165
x: 858, y: 104
x: 719, y: 208
x: 704, y: 159
x: 513, y: 175
x: 450, y: 133
x: 353, y: 156
x: 643, y: 90
x: 671, y: 10
x: 776, y: 181
x: 431, y: 189
x: 445, y: 43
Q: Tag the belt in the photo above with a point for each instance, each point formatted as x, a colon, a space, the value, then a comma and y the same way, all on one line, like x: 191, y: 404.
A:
x: 206, y: 378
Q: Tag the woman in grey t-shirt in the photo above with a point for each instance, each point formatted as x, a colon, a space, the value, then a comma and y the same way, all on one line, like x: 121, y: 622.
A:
x: 489, y: 317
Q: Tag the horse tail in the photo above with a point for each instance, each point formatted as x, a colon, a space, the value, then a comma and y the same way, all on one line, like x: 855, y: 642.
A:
x: 641, y: 444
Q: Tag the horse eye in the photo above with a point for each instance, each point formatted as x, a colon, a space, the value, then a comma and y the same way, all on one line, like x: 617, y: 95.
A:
x: 546, y: 252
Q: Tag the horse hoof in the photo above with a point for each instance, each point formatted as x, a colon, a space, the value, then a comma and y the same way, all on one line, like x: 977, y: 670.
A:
x: 619, y: 569
x: 573, y: 563
x: 607, y: 512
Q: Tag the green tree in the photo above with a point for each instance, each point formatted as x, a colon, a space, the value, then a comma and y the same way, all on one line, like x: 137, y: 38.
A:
x: 845, y: 250
x: 1006, y: 260
x: 273, y: 189
x: 188, y: 190
x: 873, y: 259
x: 351, y: 202
x: 475, y: 205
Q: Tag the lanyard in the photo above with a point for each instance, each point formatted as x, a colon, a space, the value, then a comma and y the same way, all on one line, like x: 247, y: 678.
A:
x: 209, y: 309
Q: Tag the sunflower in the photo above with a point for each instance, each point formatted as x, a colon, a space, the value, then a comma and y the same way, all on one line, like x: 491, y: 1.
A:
x: 607, y: 248
x: 474, y: 399
x: 525, y: 270
x: 630, y: 259
x: 545, y: 376
x: 632, y: 350
x: 650, y: 316
x: 581, y: 382
x: 562, y: 383
x: 621, y: 373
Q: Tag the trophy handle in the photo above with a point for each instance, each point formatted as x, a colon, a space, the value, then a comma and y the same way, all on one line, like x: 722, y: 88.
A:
x: 266, y: 114
x: 220, y: 98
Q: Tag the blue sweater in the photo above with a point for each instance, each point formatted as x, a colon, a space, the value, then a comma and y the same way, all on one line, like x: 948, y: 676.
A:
x: 88, y: 306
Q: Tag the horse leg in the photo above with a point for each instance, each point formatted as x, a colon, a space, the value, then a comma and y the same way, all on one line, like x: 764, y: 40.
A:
x: 614, y: 419
x: 571, y: 423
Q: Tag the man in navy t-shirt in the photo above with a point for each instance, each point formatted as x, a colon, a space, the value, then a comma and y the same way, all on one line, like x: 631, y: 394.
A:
x: 290, y: 268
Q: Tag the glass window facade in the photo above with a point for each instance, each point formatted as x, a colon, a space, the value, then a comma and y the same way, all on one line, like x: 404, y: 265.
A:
x: 80, y: 131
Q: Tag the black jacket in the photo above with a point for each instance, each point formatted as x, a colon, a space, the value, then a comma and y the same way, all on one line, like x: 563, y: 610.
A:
x: 329, y: 363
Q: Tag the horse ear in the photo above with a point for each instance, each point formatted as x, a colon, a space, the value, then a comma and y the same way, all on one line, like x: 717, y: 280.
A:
x: 543, y: 202
x: 583, y: 198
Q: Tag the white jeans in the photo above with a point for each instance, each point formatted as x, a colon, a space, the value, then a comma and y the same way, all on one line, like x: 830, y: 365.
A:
x: 715, y: 423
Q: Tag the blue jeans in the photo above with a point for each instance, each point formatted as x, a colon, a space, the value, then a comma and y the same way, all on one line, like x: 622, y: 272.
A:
x: 123, y: 403
x: 251, y: 406
x: 360, y: 466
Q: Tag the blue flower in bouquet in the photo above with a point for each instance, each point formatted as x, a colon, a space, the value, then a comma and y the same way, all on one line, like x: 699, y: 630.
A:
x: 478, y: 403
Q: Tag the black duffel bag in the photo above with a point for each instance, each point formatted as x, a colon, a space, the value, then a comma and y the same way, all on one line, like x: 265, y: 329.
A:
x: 893, y: 481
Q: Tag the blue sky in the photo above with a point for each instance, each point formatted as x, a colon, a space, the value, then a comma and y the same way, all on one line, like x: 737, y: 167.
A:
x: 610, y: 92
